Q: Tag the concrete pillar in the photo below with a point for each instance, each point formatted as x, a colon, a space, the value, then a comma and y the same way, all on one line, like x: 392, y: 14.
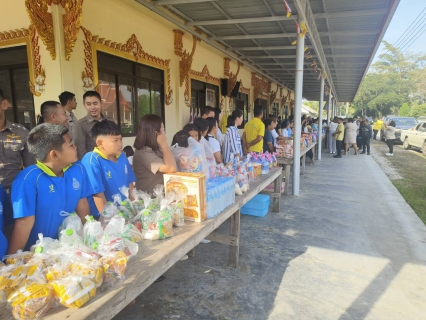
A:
x: 347, y: 109
x: 298, y: 90
x: 330, y: 106
x: 321, y: 102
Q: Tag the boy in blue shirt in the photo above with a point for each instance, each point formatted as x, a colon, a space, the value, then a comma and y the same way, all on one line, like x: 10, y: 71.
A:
x: 5, y: 209
x: 45, y: 193
x: 107, y: 166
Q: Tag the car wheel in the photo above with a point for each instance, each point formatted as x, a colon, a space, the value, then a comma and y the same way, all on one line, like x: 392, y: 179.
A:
x: 406, y: 145
x: 424, y: 149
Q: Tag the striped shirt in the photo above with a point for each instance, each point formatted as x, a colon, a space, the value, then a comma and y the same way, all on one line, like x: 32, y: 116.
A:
x: 232, y: 144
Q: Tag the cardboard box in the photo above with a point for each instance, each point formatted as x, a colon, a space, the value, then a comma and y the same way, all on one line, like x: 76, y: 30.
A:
x: 194, y: 186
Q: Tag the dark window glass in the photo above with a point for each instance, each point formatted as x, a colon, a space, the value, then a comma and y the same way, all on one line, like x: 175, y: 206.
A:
x: 203, y: 94
x: 241, y: 103
x: 264, y: 104
x: 138, y: 88
x: 14, y: 79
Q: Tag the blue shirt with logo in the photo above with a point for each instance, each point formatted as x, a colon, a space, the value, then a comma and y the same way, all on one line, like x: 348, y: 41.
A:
x: 5, y: 209
x: 108, y: 176
x: 49, y: 198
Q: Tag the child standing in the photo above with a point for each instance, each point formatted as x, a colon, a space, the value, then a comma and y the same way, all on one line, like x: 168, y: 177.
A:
x: 107, y: 166
x: 43, y: 194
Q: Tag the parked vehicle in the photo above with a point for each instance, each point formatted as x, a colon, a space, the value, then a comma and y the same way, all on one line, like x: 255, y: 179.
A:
x: 401, y: 123
x: 415, y: 137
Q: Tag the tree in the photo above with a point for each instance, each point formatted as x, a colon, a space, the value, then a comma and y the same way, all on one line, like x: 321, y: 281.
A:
x: 418, y: 111
x: 405, y: 110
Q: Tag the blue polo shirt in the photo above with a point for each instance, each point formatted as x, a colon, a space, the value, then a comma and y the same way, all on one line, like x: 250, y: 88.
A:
x: 5, y: 209
x: 108, y: 176
x: 38, y: 192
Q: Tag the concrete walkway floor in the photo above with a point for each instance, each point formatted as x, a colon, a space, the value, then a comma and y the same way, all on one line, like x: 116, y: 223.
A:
x: 348, y: 248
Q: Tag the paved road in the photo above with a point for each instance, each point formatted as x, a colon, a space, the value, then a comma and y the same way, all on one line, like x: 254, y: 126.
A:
x: 348, y: 248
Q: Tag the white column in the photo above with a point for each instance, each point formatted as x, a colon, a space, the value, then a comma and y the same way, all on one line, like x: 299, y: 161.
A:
x: 347, y: 109
x: 321, y: 102
x: 330, y: 106
x: 298, y: 90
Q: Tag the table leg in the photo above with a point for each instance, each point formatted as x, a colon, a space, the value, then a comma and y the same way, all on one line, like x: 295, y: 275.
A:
x: 191, y: 253
x: 234, y: 251
x: 276, y: 198
x: 287, y: 178
x: 302, y: 169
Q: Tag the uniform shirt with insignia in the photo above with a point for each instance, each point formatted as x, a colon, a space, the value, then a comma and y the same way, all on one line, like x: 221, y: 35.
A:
x: 82, y: 136
x: 72, y: 120
x: 5, y: 209
x: 108, y: 176
x: 38, y: 192
x: 13, y: 152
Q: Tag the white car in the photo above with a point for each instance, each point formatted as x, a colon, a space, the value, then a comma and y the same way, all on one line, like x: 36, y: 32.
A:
x: 415, y: 137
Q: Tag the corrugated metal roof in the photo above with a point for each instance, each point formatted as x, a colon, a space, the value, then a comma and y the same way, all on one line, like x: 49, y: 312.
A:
x: 349, y: 32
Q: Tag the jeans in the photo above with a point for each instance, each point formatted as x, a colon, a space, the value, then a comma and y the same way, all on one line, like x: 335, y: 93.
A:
x: 339, y: 145
x: 331, y: 142
x: 375, y: 134
x: 366, y: 142
x: 389, y: 142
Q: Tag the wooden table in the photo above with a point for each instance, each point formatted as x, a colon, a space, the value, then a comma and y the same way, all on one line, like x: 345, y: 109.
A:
x: 156, y: 257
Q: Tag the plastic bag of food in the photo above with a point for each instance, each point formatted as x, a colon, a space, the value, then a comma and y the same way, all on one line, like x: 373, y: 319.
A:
x: 20, y: 275
x: 74, y: 292
x: 92, y: 232
x: 190, y: 159
x: 73, y: 222
x: 126, y: 205
x: 114, y: 264
x: 161, y: 226
x: 92, y: 270
x: 114, y: 244
x: 70, y: 238
x: 18, y: 257
x: 44, y: 244
x: 138, y: 203
x: 31, y: 301
x: 130, y: 232
x: 110, y: 210
x: 115, y: 226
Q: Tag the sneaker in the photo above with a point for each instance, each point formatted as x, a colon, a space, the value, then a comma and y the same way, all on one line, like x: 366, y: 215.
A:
x: 337, y: 156
x: 363, y: 152
x: 368, y: 154
x: 185, y: 257
x: 205, y: 241
x: 389, y: 154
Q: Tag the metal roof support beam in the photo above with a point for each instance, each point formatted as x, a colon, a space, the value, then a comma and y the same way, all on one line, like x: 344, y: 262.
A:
x: 321, y: 103
x: 304, y: 13
x: 207, y: 40
x: 257, y: 36
x: 298, y: 91
x: 328, y: 46
x: 172, y: 2
x: 352, y: 13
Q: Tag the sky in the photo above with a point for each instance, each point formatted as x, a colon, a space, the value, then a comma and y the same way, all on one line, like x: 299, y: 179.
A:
x: 405, y: 14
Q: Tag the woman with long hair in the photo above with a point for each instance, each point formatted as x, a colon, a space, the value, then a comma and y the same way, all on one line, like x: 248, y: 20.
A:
x: 232, y: 141
x: 210, y: 137
x: 153, y: 156
x: 390, y: 136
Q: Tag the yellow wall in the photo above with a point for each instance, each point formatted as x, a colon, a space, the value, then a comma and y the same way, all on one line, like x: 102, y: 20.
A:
x: 117, y: 20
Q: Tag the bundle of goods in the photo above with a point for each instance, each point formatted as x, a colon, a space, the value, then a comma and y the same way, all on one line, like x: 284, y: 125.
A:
x: 266, y: 160
x: 285, y: 149
x: 191, y: 159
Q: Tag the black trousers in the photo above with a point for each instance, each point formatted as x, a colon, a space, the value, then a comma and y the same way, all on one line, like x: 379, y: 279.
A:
x: 339, y: 145
x: 366, y: 142
x: 375, y: 134
x: 389, y: 142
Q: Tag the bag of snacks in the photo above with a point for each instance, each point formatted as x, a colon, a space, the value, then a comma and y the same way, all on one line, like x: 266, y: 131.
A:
x: 115, y: 226
x: 126, y: 206
x: 130, y: 232
x: 73, y: 222
x: 113, y: 244
x: 110, y: 210
x: 74, y: 292
x: 92, y: 232
x: 114, y: 264
x: 177, y: 211
x: 138, y: 203
x: 70, y: 238
x: 161, y: 226
x: 44, y: 244
x: 92, y: 270
x: 31, y: 301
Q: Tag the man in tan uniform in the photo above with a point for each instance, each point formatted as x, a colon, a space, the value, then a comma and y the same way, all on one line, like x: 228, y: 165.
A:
x: 82, y: 135
x: 13, y: 150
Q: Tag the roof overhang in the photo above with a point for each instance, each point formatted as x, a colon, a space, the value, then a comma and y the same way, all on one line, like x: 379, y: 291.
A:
x: 343, y: 37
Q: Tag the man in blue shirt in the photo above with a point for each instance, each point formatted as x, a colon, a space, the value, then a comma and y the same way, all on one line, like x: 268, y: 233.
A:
x: 5, y: 209
x: 45, y: 193
x: 107, y: 166
x: 268, y: 140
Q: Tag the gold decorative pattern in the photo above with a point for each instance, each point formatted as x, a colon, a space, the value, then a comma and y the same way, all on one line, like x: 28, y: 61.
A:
x: 36, y: 88
x: 185, y: 62
x: 71, y: 22
x: 244, y: 89
x: 42, y: 20
x: 259, y: 85
x: 232, y: 78
x: 14, y: 34
x: 273, y: 95
x: 132, y: 50
x: 204, y: 75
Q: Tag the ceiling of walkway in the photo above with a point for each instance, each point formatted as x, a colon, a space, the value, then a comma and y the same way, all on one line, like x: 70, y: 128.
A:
x: 343, y: 34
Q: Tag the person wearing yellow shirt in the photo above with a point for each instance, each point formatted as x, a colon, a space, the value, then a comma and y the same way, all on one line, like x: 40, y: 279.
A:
x: 254, y: 131
x: 338, y: 136
x: 377, y: 127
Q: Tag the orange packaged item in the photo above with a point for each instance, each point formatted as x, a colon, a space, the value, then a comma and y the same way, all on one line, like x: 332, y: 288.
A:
x: 74, y: 292
x: 193, y: 186
x: 114, y: 264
